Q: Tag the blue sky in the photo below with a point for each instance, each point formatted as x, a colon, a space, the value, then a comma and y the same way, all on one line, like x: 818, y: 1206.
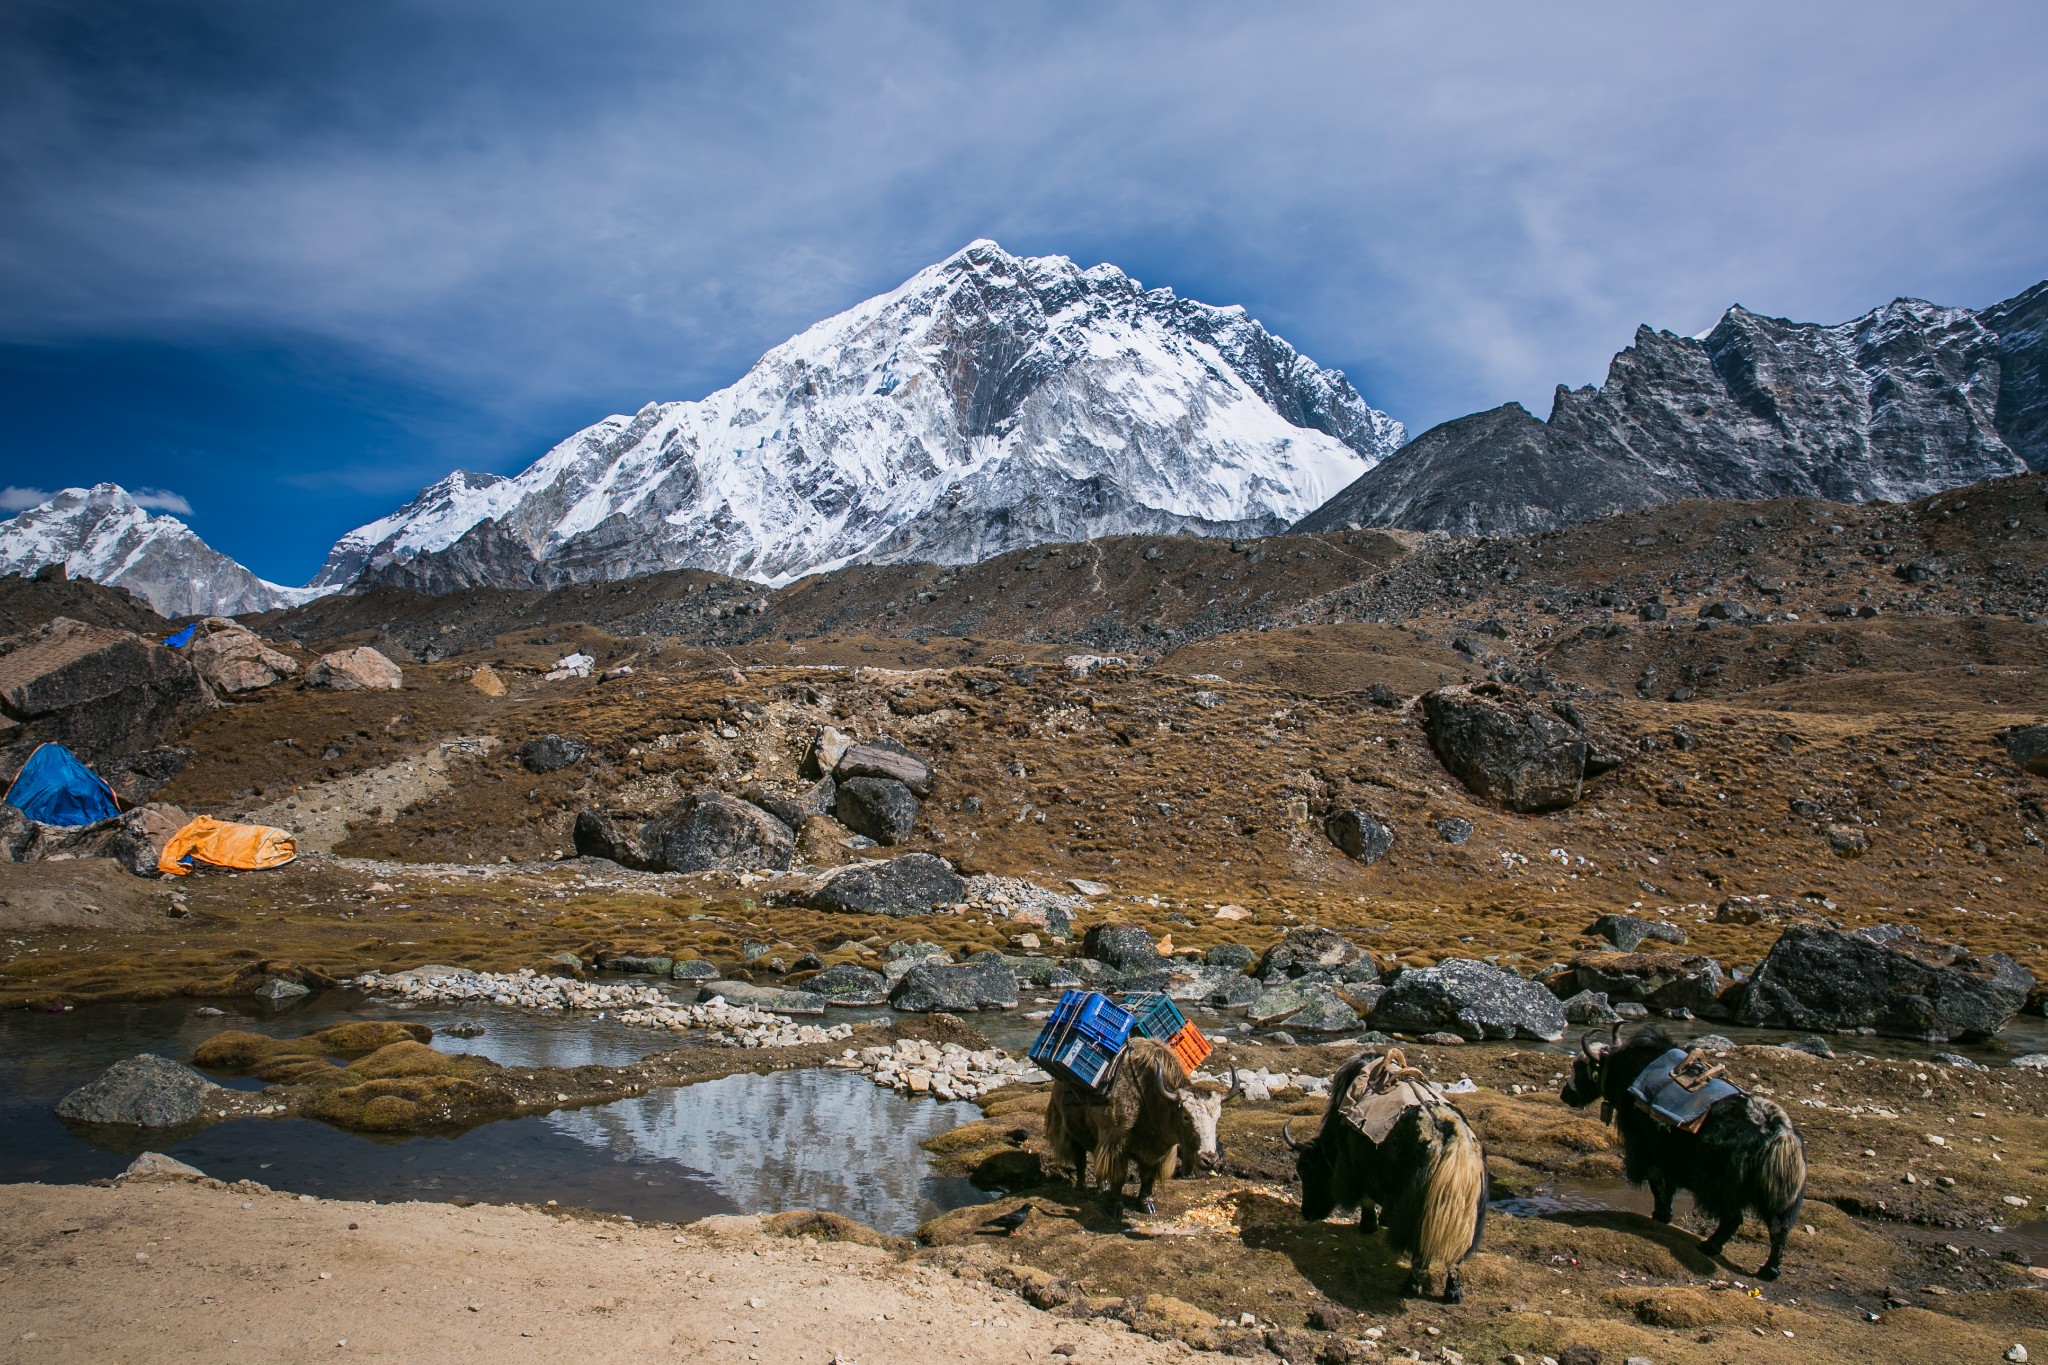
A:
x: 289, y: 263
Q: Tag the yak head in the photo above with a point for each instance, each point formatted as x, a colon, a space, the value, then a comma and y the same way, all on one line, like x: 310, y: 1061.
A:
x: 1196, y: 1114
x: 1318, y: 1173
x: 1589, y: 1068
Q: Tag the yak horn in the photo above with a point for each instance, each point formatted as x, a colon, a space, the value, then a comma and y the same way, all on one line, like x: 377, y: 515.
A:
x: 1236, y: 1086
x: 1287, y: 1136
x: 1588, y: 1046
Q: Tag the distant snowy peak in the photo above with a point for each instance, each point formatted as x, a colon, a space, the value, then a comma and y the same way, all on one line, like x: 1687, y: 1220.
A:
x: 1907, y: 400
x: 99, y: 533
x: 988, y: 403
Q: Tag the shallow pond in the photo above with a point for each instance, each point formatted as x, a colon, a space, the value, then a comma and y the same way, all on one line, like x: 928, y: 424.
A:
x: 745, y: 1143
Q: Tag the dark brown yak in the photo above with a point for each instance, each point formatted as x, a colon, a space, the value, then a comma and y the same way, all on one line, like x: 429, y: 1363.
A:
x: 1151, y: 1117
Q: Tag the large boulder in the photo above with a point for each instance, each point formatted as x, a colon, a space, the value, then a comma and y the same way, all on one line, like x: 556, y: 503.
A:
x: 1886, y: 978
x: 983, y: 983
x: 1308, y: 948
x: 1216, y: 985
x: 888, y: 759
x: 791, y: 803
x: 2028, y: 746
x: 1123, y: 946
x: 1627, y: 932
x: 551, y: 753
x: 822, y: 841
x: 134, y: 838
x: 1659, y: 980
x: 848, y: 984
x: 712, y: 831
x: 361, y: 669
x: 1474, y: 999
x: 882, y: 808
x: 770, y: 998
x: 145, y: 1091
x: 913, y: 884
x: 828, y: 746
x: 235, y: 659
x: 1364, y: 838
x: 613, y: 838
x: 1306, y: 1007
x: 1504, y: 748
x: 107, y: 695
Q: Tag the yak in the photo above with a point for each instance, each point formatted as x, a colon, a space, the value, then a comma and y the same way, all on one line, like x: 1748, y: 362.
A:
x: 1744, y: 1155
x: 1151, y: 1117
x: 1426, y: 1173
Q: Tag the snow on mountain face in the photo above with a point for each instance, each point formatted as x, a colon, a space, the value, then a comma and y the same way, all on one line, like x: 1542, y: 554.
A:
x: 1905, y: 401
x: 100, y: 534
x: 989, y: 403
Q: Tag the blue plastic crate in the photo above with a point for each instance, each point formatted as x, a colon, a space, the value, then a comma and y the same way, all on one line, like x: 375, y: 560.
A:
x: 1074, y: 1056
x: 1155, y: 1016
x: 1094, y: 1016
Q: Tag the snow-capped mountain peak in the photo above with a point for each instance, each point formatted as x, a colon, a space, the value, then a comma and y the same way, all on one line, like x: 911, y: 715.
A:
x: 100, y: 533
x: 989, y: 402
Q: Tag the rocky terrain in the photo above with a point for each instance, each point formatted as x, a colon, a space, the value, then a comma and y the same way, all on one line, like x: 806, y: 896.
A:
x: 1774, y: 770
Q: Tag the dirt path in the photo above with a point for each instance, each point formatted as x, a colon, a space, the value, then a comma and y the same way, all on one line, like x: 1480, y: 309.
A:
x: 177, y: 1270
x: 319, y: 813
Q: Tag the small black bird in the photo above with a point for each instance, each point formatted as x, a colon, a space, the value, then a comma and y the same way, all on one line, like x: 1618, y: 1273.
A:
x: 1008, y: 1223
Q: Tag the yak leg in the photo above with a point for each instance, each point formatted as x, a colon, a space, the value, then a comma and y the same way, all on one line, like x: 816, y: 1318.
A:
x: 1780, y: 1230
x: 1148, y: 1176
x: 1729, y: 1225
x: 1662, y: 1191
x: 1368, y: 1216
x: 1454, y: 1291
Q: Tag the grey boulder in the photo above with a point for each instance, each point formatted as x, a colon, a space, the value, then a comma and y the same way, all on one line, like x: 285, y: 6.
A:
x: 769, y: 998
x: 1364, y: 838
x: 1627, y: 932
x: 881, y: 808
x: 551, y: 753
x: 1503, y: 748
x: 885, y: 758
x: 709, y: 830
x: 980, y: 984
x: 1471, y: 998
x: 913, y: 884
x: 1308, y: 948
x: 847, y: 984
x: 1123, y: 946
x: 144, y: 1091
x: 1886, y: 978
x: 2028, y: 746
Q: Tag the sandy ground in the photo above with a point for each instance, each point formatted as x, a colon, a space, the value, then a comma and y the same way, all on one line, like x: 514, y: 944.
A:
x: 175, y: 1270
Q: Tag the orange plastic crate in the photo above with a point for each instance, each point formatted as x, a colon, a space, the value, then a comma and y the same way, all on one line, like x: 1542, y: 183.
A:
x: 1191, y: 1047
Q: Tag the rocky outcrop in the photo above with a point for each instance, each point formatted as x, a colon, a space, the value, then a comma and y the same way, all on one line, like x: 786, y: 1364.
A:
x: 1472, y: 999
x: 1887, y: 978
x: 982, y: 983
x: 710, y: 830
x: 1307, y: 948
x: 2028, y: 746
x: 882, y: 808
x: 234, y: 658
x: 1664, y: 981
x: 107, y: 695
x: 1364, y: 838
x: 1905, y: 401
x: 144, y: 1091
x: 1505, y: 748
x: 361, y: 669
x: 913, y: 884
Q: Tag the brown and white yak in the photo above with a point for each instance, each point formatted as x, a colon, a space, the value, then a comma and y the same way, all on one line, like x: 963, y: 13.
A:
x: 1151, y: 1117
x: 1742, y: 1155
x: 1421, y: 1170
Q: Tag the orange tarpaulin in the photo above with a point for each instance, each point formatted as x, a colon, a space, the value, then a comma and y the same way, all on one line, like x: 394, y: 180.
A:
x: 207, y: 840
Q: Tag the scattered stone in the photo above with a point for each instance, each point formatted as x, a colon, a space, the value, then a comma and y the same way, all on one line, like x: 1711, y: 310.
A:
x: 1088, y: 888
x: 793, y: 805
x: 945, y: 1071
x: 1082, y: 665
x: 551, y: 753
x: 881, y: 808
x: 1475, y: 999
x: 827, y: 748
x: 982, y: 983
x: 277, y: 993
x: 235, y: 659
x: 1714, y: 1042
x: 1659, y: 980
x: 644, y: 964
x: 1364, y: 838
x: 1230, y: 955
x: 361, y: 669
x: 1885, y: 977
x: 487, y: 680
x: 144, y: 1091
x: 1847, y: 840
x: 1504, y: 748
x: 1454, y: 829
x: 1958, y: 1060
x: 1627, y: 932
x: 691, y: 969
x: 1813, y: 1045
x: 157, y: 1166
x: 913, y: 884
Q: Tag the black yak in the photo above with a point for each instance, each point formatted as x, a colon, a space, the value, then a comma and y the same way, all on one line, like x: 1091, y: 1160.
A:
x: 1151, y: 1117
x: 1742, y: 1155
x: 1423, y: 1175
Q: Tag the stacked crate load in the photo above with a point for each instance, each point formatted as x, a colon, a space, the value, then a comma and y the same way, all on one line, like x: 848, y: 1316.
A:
x: 1083, y: 1039
x: 1155, y: 1016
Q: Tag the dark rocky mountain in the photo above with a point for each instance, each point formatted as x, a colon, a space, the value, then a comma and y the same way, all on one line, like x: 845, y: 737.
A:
x: 1905, y: 401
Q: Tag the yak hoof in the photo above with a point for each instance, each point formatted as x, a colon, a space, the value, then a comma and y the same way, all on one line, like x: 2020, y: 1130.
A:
x: 1712, y: 1248
x: 1453, y: 1291
x: 1369, y: 1221
x: 1148, y: 1205
x: 1770, y: 1272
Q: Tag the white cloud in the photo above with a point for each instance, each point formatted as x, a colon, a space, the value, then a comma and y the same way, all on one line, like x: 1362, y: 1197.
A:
x: 161, y: 500
x: 14, y: 499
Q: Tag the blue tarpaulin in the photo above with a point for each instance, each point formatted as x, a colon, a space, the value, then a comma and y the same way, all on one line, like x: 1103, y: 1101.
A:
x: 54, y: 788
x: 183, y: 637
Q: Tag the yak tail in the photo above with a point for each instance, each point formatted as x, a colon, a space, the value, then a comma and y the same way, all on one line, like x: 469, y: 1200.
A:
x: 1454, y: 1194
x: 1781, y: 1166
